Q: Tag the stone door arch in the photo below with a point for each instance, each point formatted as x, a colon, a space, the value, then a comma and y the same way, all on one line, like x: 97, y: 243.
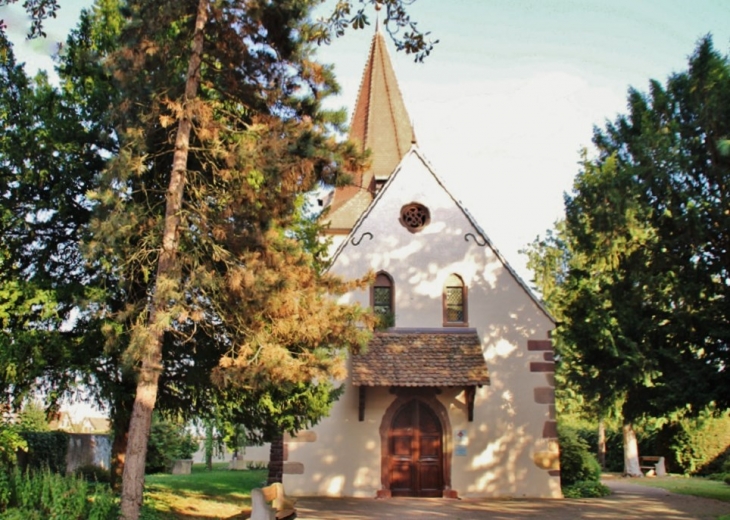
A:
x: 416, y: 447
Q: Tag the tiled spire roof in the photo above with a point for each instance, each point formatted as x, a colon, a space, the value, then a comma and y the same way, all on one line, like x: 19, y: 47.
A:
x: 380, y: 123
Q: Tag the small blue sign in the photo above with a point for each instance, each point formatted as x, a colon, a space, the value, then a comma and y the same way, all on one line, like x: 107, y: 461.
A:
x: 460, y: 451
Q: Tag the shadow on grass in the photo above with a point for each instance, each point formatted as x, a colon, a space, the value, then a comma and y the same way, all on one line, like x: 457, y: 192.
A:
x: 202, y: 495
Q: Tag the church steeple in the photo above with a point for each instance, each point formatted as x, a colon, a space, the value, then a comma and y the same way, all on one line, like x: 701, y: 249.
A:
x: 380, y: 123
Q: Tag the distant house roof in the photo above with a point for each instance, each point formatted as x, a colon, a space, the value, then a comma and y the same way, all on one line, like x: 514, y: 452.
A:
x: 99, y: 424
x: 380, y: 123
x: 422, y: 357
x: 64, y: 421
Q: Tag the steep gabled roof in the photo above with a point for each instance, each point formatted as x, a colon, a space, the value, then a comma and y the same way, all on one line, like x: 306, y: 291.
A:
x: 380, y: 123
x: 482, y: 239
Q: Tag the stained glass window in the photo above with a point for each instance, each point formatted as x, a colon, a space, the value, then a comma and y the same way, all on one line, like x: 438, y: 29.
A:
x: 383, y: 295
x: 454, y: 300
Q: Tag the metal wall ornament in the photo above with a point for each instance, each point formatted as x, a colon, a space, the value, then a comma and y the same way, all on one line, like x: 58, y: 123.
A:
x: 357, y: 242
x: 476, y: 240
x: 414, y: 217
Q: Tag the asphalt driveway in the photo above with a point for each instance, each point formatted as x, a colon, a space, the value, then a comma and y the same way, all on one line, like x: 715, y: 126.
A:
x: 628, y: 502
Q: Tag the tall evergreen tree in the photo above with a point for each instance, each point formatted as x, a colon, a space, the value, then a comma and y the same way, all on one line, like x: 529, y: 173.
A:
x: 189, y: 247
x: 49, y: 158
x: 641, y: 282
x: 198, y: 202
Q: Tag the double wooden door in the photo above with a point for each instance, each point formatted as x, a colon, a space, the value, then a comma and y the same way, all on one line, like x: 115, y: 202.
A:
x: 415, y: 452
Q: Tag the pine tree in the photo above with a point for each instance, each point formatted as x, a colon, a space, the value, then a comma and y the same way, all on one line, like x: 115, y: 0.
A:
x: 190, y: 246
x: 242, y: 137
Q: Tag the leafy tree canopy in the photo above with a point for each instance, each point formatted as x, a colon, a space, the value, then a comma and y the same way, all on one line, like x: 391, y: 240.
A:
x: 637, y: 273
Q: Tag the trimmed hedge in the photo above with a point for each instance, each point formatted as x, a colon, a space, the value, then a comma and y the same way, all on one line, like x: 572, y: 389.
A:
x: 45, y: 450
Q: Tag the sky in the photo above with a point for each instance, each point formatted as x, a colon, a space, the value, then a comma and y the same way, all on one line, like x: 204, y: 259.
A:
x: 511, y: 93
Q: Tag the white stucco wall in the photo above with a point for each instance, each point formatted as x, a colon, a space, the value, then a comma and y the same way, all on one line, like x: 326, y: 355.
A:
x: 507, y: 432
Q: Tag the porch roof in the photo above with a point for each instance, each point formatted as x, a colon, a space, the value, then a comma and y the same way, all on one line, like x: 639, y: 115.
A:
x: 421, y: 357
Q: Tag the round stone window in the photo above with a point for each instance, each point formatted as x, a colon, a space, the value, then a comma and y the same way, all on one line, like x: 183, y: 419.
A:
x: 414, y: 217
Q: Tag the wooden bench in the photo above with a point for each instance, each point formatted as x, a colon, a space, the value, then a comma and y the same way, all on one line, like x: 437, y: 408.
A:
x: 270, y: 503
x: 653, y: 466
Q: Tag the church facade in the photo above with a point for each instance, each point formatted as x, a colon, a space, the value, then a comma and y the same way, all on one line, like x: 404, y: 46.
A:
x: 454, y: 396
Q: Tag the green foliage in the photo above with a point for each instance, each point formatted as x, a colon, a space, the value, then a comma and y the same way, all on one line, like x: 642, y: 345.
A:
x: 85, y: 173
x: 168, y: 442
x: 697, y: 445
x: 395, y: 19
x: 385, y: 320
x: 11, y: 442
x: 577, y: 463
x: 44, y: 494
x: 46, y: 450
x: 614, y: 444
x: 583, y: 489
x: 52, y: 152
x: 636, y: 273
x: 32, y: 418
x: 93, y: 474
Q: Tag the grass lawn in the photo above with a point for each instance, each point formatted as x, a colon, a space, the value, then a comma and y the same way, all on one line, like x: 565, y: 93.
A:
x: 699, y: 487
x: 202, y: 495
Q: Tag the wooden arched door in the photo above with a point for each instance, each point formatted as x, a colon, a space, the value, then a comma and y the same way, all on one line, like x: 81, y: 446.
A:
x: 415, y: 452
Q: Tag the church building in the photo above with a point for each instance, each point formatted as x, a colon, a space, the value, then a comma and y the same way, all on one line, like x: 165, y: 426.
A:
x: 454, y: 396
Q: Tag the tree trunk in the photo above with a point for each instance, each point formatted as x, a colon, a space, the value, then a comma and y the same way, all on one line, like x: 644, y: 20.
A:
x: 276, y: 460
x: 209, y: 446
x: 631, y: 452
x: 151, y: 362
x: 602, y: 444
x: 119, y: 448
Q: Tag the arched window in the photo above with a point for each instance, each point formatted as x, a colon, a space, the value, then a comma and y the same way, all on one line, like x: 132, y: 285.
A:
x: 455, y: 308
x: 383, y: 300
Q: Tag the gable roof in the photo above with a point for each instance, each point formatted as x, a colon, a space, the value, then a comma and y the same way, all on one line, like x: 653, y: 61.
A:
x: 380, y: 123
x: 483, y: 239
x: 439, y: 357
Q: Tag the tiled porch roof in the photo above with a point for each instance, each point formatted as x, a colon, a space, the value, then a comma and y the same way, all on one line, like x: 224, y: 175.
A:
x: 421, y: 357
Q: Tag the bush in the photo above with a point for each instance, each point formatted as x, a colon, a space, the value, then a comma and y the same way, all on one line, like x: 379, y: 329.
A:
x: 577, y: 463
x: 585, y: 489
x: 167, y: 442
x: 10, y: 443
x: 45, y: 450
x: 699, y: 445
x: 614, y: 445
x: 42, y: 494
x: 91, y: 473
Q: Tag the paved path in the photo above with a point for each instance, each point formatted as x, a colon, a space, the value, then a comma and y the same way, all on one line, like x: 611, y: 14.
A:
x: 628, y: 502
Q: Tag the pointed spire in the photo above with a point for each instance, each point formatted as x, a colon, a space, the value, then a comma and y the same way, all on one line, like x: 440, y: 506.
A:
x: 380, y: 123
